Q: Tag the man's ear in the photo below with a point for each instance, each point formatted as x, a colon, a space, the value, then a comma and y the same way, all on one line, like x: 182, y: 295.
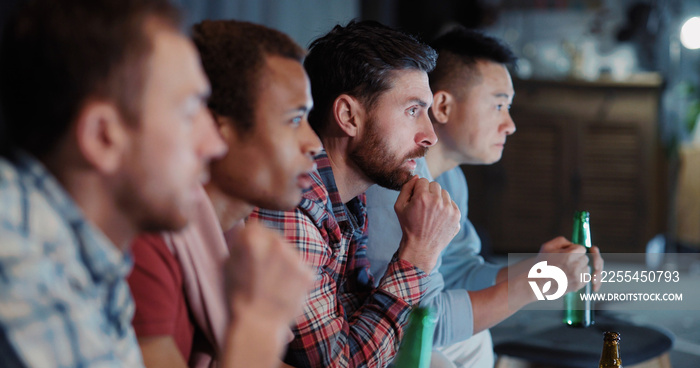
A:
x: 442, y: 106
x: 101, y: 135
x: 348, y: 114
x: 225, y: 127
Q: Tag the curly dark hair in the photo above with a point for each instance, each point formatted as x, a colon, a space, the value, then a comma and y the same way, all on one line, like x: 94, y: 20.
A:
x: 461, y: 48
x: 233, y: 56
x: 358, y: 60
x: 55, y: 54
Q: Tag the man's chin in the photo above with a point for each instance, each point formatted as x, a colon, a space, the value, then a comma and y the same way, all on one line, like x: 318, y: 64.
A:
x: 287, y: 202
x: 170, y: 223
x: 491, y: 161
x: 395, y: 181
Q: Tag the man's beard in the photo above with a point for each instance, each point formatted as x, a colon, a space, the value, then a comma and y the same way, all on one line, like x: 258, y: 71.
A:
x: 374, y: 159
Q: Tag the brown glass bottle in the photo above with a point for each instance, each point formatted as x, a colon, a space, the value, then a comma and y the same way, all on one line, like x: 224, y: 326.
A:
x: 610, y: 357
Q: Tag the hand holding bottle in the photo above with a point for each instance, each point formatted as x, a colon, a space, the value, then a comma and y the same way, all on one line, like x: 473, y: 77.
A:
x: 570, y: 258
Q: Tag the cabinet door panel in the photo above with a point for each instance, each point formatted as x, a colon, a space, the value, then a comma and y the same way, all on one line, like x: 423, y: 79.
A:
x: 611, y: 172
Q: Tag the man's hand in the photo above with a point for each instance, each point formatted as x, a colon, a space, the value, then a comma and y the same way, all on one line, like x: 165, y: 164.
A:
x: 598, y: 264
x: 429, y: 220
x: 266, y: 279
x: 575, y: 263
x: 512, y: 292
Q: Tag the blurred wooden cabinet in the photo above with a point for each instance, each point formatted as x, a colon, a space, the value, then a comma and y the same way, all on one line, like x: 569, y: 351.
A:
x: 578, y: 145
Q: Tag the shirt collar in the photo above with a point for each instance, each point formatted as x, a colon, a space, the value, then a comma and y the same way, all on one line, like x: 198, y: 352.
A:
x: 354, y: 211
x: 103, y: 259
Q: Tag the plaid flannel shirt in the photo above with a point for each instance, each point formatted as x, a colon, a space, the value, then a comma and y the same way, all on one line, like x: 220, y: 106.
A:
x: 64, y: 300
x: 346, y: 321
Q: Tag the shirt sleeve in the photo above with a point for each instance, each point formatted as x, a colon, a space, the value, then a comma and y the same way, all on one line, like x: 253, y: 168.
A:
x: 155, y: 286
x: 48, y: 318
x: 461, y: 269
x: 455, y: 314
x: 328, y: 335
x: 462, y: 266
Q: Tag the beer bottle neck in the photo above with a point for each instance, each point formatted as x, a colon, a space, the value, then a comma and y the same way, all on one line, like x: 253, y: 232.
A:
x: 610, y: 358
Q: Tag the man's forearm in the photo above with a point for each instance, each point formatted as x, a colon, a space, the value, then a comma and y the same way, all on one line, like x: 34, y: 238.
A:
x: 329, y: 335
x: 515, y: 270
x: 494, y: 304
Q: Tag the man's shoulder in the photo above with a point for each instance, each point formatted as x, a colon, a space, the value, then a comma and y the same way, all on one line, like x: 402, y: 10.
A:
x: 148, y: 250
x: 10, y: 196
x: 27, y: 218
x: 316, y: 193
x: 39, y: 246
x: 452, y: 176
x: 380, y: 198
x: 453, y: 181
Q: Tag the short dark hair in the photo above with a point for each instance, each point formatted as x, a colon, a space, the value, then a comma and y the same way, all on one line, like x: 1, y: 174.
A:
x: 55, y: 54
x: 462, y: 48
x: 358, y: 60
x: 233, y: 56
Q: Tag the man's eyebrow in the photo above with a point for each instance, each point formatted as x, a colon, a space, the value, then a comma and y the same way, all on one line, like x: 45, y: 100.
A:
x: 419, y: 102
x: 501, y: 95
x: 300, y: 108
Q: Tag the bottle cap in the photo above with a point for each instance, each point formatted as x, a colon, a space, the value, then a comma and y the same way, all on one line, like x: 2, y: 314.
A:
x: 611, y: 336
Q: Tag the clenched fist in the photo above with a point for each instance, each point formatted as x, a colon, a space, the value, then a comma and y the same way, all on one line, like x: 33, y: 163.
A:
x: 266, y: 278
x: 429, y: 220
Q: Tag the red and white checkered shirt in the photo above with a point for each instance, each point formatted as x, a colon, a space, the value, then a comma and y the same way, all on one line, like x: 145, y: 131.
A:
x: 346, y: 321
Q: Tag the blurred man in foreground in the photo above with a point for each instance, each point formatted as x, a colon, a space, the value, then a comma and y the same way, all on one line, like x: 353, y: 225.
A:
x: 106, y: 142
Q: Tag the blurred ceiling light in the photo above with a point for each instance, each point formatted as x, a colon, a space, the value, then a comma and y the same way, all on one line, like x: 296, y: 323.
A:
x: 690, y: 33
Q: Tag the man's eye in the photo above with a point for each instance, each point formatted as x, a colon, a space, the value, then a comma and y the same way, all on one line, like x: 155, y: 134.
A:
x: 190, y: 109
x: 413, y: 111
x: 296, y: 121
x: 501, y: 106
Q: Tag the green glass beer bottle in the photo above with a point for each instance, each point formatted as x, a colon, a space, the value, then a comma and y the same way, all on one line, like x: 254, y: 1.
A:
x: 578, y: 311
x: 417, y: 343
x: 610, y: 357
